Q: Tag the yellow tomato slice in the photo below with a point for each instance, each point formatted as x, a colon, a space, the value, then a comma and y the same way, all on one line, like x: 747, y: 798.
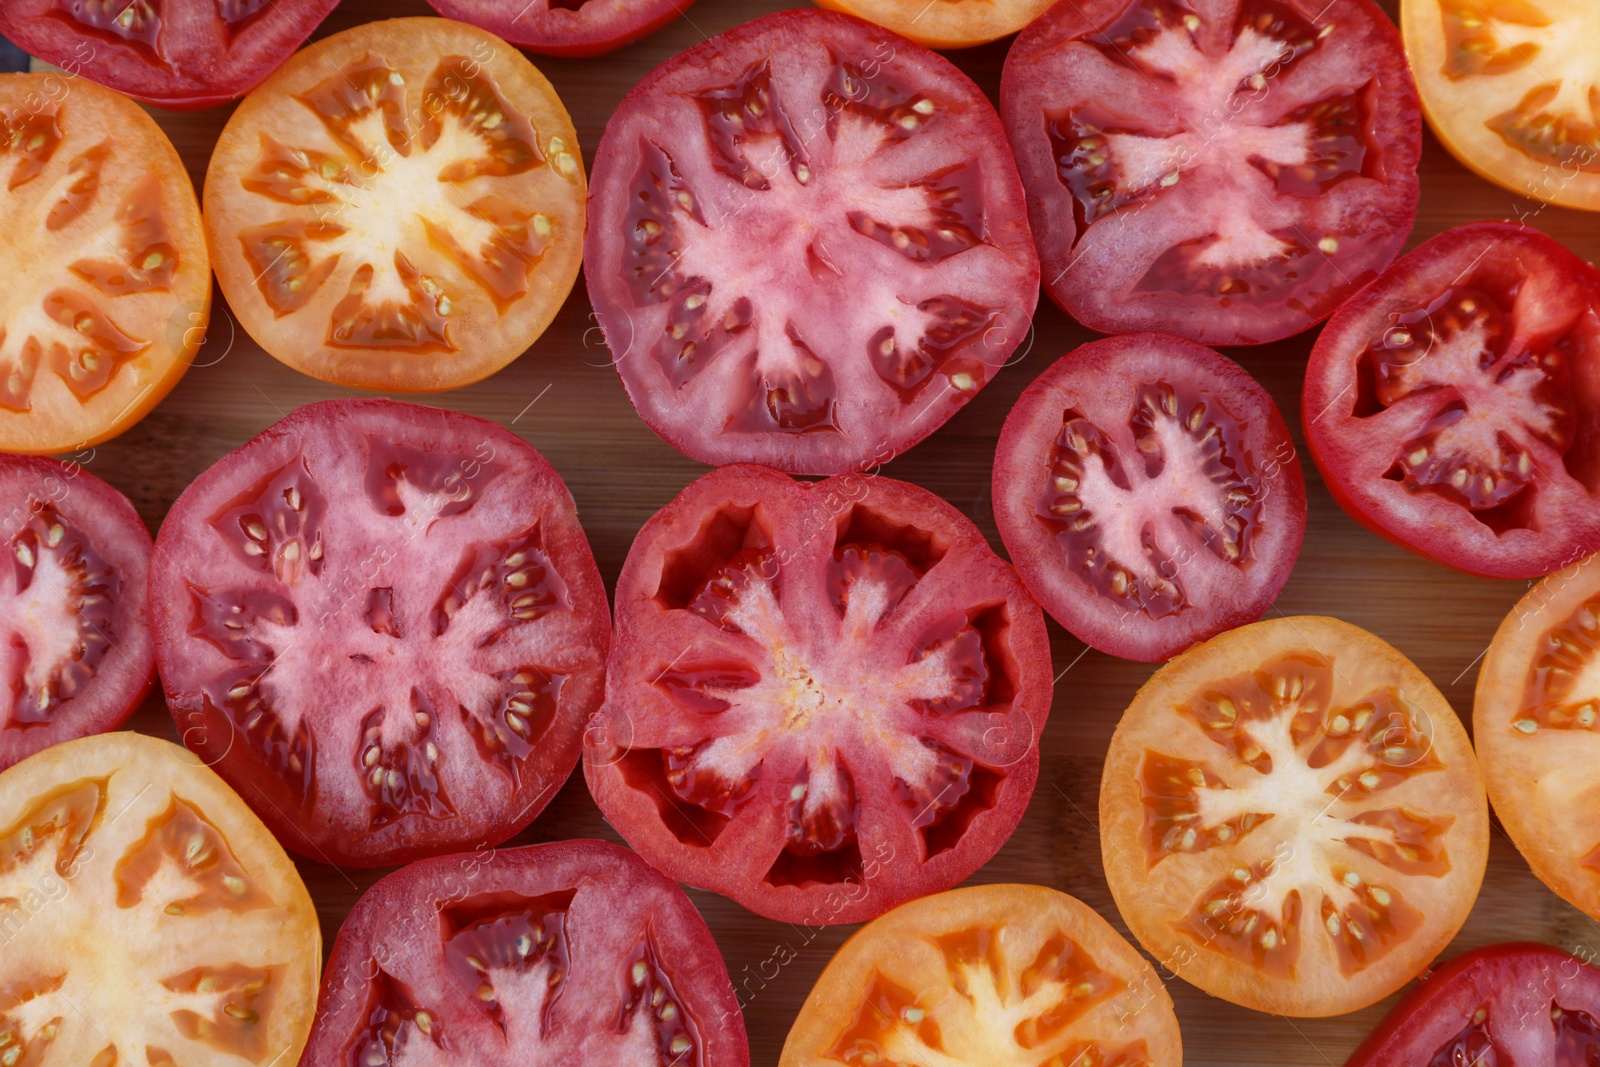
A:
x: 148, y: 916
x: 1535, y: 724
x: 1292, y: 819
x: 107, y: 281
x: 1512, y: 88
x: 945, y: 23
x: 997, y: 975
x: 400, y: 207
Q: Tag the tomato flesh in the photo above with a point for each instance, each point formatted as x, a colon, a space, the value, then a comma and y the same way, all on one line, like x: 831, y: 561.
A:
x: 574, y: 952
x: 823, y: 698
x: 566, y: 27
x: 987, y: 974
x: 809, y: 247
x: 78, y: 655
x: 1293, y: 818
x: 1510, y: 88
x: 111, y: 278
x: 1228, y: 175
x: 950, y: 24
x: 1448, y: 405
x: 1503, y: 1004
x: 398, y: 208
x: 390, y: 649
x: 180, y: 54
x: 1147, y: 490
x: 150, y: 916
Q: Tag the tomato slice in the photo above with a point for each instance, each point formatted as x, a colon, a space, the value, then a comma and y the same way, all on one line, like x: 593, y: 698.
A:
x: 1292, y: 818
x: 1511, y: 87
x: 1226, y: 172
x: 823, y: 698
x: 382, y: 624
x: 809, y: 247
x: 948, y: 23
x: 149, y: 916
x: 1147, y: 491
x: 399, y: 208
x: 179, y: 54
x: 77, y: 656
x: 1451, y: 405
x: 108, y: 282
x: 566, y: 27
x: 571, y: 953
x: 1509, y: 1004
x: 988, y: 974
x: 1538, y: 703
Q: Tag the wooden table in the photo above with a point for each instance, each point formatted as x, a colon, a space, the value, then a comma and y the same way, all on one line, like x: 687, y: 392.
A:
x: 564, y: 397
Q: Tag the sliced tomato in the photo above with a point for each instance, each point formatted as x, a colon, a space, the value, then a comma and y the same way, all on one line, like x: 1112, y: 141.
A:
x: 180, y: 54
x: 383, y: 625
x: 571, y: 953
x: 809, y: 248
x: 566, y: 27
x: 1291, y: 818
x: 823, y: 698
x: 987, y: 975
x: 1537, y: 726
x: 1228, y: 172
x: 1453, y: 406
x: 149, y: 916
x: 946, y: 23
x: 1512, y: 89
x: 400, y: 207
x: 76, y: 655
x: 1148, y: 493
x: 1500, y: 1006
x: 108, y: 282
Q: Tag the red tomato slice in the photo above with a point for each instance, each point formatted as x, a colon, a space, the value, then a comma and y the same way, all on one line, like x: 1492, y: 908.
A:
x: 382, y: 624
x: 1452, y: 405
x: 824, y: 698
x: 570, y: 953
x: 1291, y: 818
x: 76, y: 654
x: 1147, y: 491
x: 566, y: 27
x: 1504, y: 1005
x: 1537, y: 708
x: 987, y: 975
x: 808, y: 246
x: 1226, y: 171
x: 180, y: 54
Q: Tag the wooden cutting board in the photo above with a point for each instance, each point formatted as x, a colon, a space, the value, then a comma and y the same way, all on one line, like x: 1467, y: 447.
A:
x: 564, y: 397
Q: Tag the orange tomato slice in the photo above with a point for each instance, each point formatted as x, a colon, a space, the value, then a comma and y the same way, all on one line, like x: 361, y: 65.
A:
x: 400, y: 207
x: 107, y: 280
x: 993, y: 974
x: 1292, y: 819
x: 945, y: 23
x: 1512, y: 88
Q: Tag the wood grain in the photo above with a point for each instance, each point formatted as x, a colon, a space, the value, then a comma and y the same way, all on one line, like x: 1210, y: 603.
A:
x: 564, y: 397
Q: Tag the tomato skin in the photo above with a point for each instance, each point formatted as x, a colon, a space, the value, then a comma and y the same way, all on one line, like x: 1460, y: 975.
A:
x: 321, y: 806
x: 1092, y: 380
x: 879, y: 326
x: 925, y: 960
x: 33, y: 489
x: 1104, y: 265
x: 212, y: 72
x: 395, y: 932
x: 813, y: 837
x: 1516, y: 982
x: 575, y: 34
x: 1503, y: 258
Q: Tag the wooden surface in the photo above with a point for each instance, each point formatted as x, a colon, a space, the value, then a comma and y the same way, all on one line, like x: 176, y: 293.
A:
x: 564, y: 397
